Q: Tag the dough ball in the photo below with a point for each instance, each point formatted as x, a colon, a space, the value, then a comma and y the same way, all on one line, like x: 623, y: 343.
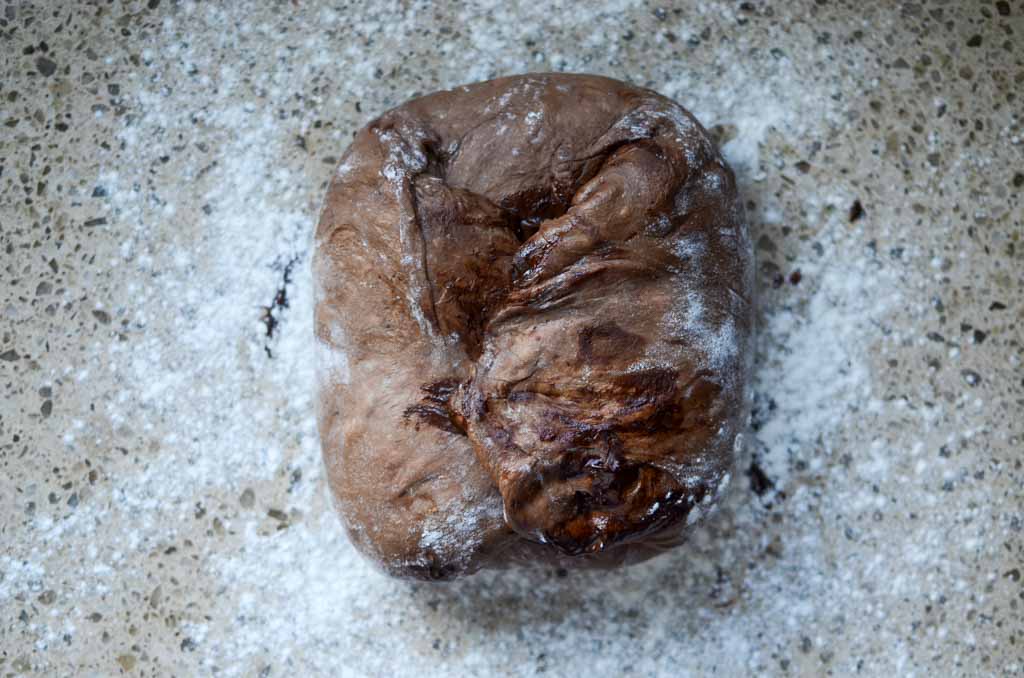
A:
x: 533, y: 316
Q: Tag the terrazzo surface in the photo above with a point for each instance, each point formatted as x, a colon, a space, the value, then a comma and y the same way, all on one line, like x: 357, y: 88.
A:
x: 162, y: 505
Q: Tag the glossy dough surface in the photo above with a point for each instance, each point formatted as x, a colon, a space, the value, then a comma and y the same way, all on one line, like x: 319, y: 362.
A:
x: 533, y: 326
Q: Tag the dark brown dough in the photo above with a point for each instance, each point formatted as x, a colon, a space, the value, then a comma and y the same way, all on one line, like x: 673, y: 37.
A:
x: 534, y: 323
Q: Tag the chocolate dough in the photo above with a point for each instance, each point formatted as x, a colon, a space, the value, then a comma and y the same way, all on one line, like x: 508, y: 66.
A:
x: 533, y: 314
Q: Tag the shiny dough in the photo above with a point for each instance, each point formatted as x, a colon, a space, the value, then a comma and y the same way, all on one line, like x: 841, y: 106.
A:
x: 533, y: 321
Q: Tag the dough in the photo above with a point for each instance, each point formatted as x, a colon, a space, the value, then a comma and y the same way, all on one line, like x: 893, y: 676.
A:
x: 533, y: 320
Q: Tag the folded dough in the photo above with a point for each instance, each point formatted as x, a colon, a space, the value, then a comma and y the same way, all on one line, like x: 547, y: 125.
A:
x: 534, y: 326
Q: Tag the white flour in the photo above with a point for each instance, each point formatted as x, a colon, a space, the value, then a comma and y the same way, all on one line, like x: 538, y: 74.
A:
x: 806, y: 571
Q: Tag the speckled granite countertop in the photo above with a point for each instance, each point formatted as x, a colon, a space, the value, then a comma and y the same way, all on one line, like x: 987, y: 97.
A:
x: 162, y: 506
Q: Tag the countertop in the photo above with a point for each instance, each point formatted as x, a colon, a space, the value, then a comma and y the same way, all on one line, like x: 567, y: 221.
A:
x: 162, y: 504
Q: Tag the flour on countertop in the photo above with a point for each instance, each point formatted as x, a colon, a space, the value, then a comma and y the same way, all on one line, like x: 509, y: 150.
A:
x: 851, y: 536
